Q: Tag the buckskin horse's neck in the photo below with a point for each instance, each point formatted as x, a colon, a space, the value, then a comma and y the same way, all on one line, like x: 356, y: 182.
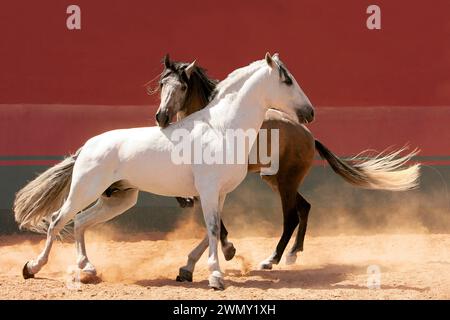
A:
x: 198, y: 97
x: 195, y: 102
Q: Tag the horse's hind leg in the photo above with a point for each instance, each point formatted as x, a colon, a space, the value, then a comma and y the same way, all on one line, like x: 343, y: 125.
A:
x: 85, y: 189
x: 185, y: 272
x: 290, y: 222
x: 228, y: 248
x: 104, y: 210
x: 303, y: 207
x: 34, y: 266
x: 69, y: 209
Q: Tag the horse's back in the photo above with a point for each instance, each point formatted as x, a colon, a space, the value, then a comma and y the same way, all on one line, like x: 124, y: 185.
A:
x: 291, y: 132
x: 296, y: 147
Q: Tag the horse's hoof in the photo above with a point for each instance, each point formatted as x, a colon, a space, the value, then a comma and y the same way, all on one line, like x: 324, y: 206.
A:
x: 216, y: 283
x: 228, y: 251
x: 184, y: 275
x: 290, y: 259
x: 265, y: 265
x: 89, y: 270
x: 26, y: 274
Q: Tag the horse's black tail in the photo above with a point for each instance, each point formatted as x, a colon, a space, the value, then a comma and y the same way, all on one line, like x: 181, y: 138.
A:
x: 384, y: 171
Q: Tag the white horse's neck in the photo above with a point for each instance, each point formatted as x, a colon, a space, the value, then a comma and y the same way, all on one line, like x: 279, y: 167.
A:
x: 234, y: 81
x: 248, y: 106
x: 242, y: 104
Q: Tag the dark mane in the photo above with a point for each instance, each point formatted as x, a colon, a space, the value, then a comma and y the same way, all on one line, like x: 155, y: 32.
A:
x: 205, y: 85
x: 199, y: 83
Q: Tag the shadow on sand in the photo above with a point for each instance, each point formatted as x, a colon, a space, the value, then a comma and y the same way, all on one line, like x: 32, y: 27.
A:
x: 323, y: 278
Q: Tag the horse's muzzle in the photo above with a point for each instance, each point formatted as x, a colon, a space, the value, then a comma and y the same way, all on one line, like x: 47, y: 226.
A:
x: 162, y: 119
x: 305, y: 117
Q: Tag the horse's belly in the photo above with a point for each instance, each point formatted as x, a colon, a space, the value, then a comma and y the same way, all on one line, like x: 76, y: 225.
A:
x: 161, y: 177
x: 175, y: 188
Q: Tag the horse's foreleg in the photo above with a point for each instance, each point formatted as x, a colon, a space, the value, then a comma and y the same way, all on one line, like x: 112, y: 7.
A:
x: 290, y: 222
x: 212, y: 204
x: 104, y: 210
x: 303, y: 208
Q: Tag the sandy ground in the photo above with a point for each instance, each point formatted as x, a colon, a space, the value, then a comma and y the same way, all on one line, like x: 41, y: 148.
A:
x: 413, y: 266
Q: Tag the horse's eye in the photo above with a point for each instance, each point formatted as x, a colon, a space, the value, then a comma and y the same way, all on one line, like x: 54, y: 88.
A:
x: 288, y: 81
x: 183, y: 88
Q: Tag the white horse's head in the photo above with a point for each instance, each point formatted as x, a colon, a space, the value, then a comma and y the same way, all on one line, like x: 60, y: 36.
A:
x: 285, y: 93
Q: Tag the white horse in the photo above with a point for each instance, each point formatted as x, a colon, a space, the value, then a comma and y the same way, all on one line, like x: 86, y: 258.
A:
x: 141, y: 159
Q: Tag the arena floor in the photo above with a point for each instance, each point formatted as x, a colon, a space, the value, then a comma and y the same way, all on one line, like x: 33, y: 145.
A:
x: 413, y: 266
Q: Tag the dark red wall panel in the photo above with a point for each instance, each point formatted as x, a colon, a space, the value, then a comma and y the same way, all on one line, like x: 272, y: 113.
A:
x: 48, y: 130
x: 29, y: 130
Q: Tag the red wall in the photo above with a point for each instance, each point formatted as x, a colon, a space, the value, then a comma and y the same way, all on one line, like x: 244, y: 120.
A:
x: 325, y: 43
x: 72, y: 79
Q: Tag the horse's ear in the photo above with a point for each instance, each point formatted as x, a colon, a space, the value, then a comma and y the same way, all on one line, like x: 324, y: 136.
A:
x: 269, y: 60
x: 166, y: 59
x: 276, y: 56
x: 189, y: 69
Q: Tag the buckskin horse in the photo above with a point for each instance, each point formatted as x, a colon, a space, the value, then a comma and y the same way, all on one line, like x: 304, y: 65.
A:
x: 185, y: 89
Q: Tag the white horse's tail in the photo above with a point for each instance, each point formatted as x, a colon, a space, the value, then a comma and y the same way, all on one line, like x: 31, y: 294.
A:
x: 383, y: 172
x: 35, y: 203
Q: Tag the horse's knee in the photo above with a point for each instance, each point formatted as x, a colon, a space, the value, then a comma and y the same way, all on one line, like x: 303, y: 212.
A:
x: 213, y: 226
